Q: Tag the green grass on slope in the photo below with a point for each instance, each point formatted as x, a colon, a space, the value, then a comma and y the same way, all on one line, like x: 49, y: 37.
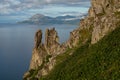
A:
x: 100, y: 61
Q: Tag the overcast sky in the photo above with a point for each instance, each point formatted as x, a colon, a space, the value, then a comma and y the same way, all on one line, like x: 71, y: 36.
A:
x: 22, y: 9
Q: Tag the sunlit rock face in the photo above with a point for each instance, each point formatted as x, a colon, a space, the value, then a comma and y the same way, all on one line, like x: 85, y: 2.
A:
x: 43, y: 55
x: 41, y: 50
x: 106, y: 17
x: 38, y: 52
x: 51, y: 41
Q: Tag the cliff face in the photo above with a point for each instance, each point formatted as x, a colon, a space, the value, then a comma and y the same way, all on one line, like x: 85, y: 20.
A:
x: 103, y: 17
x: 106, y: 14
x: 38, y: 51
x: 52, y: 42
x: 43, y: 55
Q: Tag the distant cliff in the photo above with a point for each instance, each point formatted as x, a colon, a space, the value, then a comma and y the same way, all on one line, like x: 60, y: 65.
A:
x: 103, y: 17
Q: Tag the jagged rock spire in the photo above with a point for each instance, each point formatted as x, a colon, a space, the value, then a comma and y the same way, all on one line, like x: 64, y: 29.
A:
x: 38, y: 38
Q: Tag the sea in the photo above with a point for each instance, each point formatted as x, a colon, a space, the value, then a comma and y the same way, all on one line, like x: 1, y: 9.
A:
x: 16, y: 45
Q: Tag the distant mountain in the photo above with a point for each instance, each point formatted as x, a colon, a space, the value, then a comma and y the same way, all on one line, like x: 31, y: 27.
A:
x: 42, y: 19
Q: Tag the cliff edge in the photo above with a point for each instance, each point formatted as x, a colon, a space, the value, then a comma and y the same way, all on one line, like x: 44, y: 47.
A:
x: 103, y: 17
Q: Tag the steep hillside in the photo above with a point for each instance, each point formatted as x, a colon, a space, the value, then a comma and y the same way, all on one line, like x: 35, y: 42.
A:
x: 81, y: 56
x: 100, y: 61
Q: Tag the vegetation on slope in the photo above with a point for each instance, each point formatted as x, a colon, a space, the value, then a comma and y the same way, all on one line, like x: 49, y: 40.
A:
x: 100, y: 61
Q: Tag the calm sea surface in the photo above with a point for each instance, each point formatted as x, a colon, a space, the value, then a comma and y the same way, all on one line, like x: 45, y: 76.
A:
x: 16, y: 44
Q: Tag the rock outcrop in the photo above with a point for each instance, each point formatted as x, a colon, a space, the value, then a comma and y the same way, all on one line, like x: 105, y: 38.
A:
x: 51, y: 41
x: 38, y: 51
x: 106, y: 17
x: 103, y: 17
x: 43, y: 55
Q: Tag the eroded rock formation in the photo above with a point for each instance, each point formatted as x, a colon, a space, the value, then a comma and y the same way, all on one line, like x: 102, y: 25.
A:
x: 103, y: 17
x: 106, y: 17
x: 43, y: 55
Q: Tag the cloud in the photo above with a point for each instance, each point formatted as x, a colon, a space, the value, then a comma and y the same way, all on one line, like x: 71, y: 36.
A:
x: 18, y: 10
x: 8, y: 6
x: 48, y: 1
x: 11, y: 6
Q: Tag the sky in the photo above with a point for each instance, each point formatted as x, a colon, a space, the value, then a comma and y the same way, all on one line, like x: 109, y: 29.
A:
x: 19, y: 10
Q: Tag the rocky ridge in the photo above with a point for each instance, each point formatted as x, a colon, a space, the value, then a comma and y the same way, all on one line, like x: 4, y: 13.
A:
x: 103, y: 17
x: 43, y: 57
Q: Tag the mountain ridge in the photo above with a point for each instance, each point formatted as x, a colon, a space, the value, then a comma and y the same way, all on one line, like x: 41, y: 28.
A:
x: 42, y: 19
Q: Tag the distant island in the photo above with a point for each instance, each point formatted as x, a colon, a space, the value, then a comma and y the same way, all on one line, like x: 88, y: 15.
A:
x: 42, y: 19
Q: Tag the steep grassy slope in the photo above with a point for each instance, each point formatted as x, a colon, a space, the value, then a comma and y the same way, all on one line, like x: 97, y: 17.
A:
x: 100, y: 61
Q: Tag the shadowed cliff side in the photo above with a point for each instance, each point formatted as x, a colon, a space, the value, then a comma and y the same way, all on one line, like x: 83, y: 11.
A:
x: 103, y: 17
